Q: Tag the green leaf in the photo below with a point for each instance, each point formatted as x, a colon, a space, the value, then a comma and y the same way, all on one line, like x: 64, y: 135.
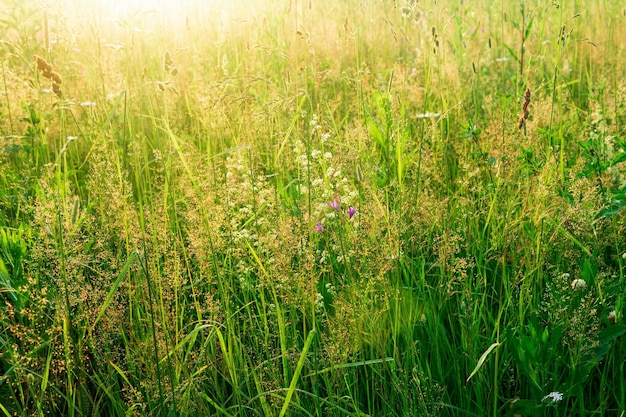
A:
x: 511, y: 52
x: 116, y: 284
x: 620, y: 157
x: 296, y: 374
x: 482, y: 359
x: 530, y: 25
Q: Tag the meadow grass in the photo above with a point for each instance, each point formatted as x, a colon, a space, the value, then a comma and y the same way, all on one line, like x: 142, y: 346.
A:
x: 307, y: 208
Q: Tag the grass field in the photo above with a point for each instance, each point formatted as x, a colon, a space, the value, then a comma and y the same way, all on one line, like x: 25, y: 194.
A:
x: 313, y: 208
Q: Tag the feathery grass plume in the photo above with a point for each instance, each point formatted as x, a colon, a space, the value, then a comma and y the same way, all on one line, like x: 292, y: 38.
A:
x: 524, y: 117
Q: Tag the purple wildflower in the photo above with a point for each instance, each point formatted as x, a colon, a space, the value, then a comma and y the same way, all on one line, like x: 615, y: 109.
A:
x: 351, y: 211
x: 319, y: 227
x: 334, y: 204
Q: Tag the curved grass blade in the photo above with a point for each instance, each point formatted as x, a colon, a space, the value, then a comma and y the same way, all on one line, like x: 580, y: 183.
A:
x: 482, y: 359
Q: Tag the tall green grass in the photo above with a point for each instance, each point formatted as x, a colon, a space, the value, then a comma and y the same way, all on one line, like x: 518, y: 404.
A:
x: 304, y: 208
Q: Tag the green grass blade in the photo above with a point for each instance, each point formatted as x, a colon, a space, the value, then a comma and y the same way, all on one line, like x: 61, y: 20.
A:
x: 116, y: 284
x: 482, y: 359
x: 296, y: 374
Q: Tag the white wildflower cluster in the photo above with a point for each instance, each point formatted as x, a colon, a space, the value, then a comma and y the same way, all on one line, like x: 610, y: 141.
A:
x: 315, y: 123
x: 316, y: 153
x: 553, y: 397
x: 246, y: 186
x: 299, y: 149
x: 319, y: 303
x: 579, y: 284
x: 246, y: 193
x: 330, y: 190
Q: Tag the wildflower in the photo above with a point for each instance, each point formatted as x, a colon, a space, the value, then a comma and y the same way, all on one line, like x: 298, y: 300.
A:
x: 579, y: 284
x: 554, y: 396
x: 334, y: 204
x: 613, y: 316
x: 351, y: 211
x: 319, y: 227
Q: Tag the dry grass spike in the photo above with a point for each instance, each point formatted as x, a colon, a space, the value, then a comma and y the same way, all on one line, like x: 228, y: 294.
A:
x: 46, y: 70
x: 56, y: 89
x: 56, y: 78
x: 43, y: 65
x: 525, y: 111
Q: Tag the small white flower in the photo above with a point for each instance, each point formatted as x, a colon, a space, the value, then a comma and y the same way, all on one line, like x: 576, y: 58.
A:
x: 328, y: 155
x: 579, y: 284
x: 554, y: 396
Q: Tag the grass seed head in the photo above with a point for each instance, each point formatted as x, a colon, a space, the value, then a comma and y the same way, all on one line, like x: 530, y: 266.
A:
x: 56, y: 89
x: 168, y: 63
x: 42, y: 65
x: 55, y: 77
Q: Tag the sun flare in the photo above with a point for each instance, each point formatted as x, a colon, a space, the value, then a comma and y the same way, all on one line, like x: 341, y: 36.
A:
x: 148, y: 12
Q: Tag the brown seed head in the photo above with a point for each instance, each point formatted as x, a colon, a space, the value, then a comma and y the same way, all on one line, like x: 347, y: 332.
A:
x: 56, y: 78
x: 527, y: 97
x: 56, y: 88
x: 42, y: 65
